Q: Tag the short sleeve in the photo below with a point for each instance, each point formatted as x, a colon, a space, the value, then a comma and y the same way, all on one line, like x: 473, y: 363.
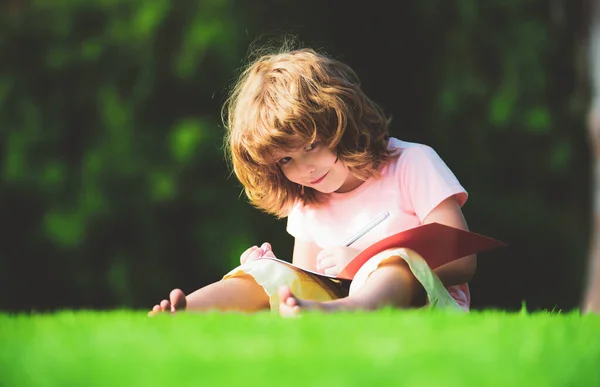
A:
x: 297, y: 223
x: 426, y: 180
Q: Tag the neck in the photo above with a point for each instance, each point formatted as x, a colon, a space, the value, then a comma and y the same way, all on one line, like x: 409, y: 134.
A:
x: 351, y: 183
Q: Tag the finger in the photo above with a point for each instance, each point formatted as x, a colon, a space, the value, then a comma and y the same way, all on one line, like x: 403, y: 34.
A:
x: 325, y: 263
x: 323, y: 254
x: 269, y: 254
x: 266, y: 247
x: 254, y: 255
x: 334, y: 270
x: 245, y: 254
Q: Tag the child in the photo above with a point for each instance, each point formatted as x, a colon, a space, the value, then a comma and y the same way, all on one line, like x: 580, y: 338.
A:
x: 309, y: 145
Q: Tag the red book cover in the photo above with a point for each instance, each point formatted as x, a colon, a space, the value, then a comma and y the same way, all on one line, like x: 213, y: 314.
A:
x: 438, y: 244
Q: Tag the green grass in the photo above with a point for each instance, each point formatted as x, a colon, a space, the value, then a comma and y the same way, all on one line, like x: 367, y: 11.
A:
x: 411, y: 348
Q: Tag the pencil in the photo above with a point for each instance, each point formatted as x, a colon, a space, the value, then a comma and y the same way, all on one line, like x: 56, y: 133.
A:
x: 367, y: 228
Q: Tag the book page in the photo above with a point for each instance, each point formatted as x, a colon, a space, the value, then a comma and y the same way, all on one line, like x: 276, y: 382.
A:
x: 299, y: 268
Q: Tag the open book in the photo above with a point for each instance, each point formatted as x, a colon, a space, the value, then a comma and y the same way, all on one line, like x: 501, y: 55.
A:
x: 438, y: 244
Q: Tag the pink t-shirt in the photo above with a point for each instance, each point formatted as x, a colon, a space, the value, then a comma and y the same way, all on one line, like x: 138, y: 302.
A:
x: 409, y: 188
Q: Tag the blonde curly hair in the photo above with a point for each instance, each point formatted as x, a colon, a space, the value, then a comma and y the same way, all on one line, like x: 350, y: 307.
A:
x: 288, y: 99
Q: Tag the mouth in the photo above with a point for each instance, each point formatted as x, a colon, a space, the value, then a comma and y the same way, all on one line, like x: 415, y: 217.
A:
x: 320, y: 179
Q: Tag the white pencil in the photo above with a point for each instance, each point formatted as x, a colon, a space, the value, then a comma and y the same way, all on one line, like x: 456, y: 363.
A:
x: 367, y: 228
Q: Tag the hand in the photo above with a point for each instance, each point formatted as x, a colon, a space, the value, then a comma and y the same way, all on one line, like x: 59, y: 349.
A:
x: 255, y: 252
x: 331, y: 261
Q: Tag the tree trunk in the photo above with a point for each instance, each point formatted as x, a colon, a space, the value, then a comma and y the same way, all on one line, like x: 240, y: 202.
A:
x: 591, y: 302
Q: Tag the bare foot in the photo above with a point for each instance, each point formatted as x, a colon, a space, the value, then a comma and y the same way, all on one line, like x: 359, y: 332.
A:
x: 177, y: 302
x: 290, y: 305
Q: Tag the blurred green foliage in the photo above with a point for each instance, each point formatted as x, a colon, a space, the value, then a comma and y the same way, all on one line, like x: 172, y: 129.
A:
x: 113, y: 178
x: 506, y: 84
x: 114, y: 188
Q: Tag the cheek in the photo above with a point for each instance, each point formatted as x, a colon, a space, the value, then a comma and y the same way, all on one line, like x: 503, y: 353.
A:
x: 290, y: 174
x: 327, y: 158
x: 341, y: 171
x: 339, y: 166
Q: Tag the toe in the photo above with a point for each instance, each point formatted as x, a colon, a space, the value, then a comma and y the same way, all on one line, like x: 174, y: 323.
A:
x: 289, y: 311
x: 284, y: 293
x: 178, y: 300
x: 165, y: 305
x: 155, y: 310
x: 291, y: 302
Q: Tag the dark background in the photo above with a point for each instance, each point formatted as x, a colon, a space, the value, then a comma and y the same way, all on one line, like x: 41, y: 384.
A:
x: 113, y: 184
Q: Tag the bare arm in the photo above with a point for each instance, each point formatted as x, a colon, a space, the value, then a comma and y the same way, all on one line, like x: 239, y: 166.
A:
x: 305, y: 254
x: 462, y: 270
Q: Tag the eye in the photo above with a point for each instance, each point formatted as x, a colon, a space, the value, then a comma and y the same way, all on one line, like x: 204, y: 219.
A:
x: 312, y: 146
x: 284, y: 160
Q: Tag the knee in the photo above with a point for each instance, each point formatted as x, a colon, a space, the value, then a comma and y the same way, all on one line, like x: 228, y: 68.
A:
x: 398, y: 274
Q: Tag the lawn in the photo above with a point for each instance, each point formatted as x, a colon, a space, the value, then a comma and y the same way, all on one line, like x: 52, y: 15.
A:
x: 410, y: 348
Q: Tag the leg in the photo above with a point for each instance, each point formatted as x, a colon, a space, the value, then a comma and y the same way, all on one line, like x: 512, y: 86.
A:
x: 392, y: 284
x: 236, y: 294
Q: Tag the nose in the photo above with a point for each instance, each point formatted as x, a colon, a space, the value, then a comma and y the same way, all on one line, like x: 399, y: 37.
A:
x: 306, y: 169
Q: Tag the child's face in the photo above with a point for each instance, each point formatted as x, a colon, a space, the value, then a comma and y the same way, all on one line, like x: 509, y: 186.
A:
x: 317, y: 167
